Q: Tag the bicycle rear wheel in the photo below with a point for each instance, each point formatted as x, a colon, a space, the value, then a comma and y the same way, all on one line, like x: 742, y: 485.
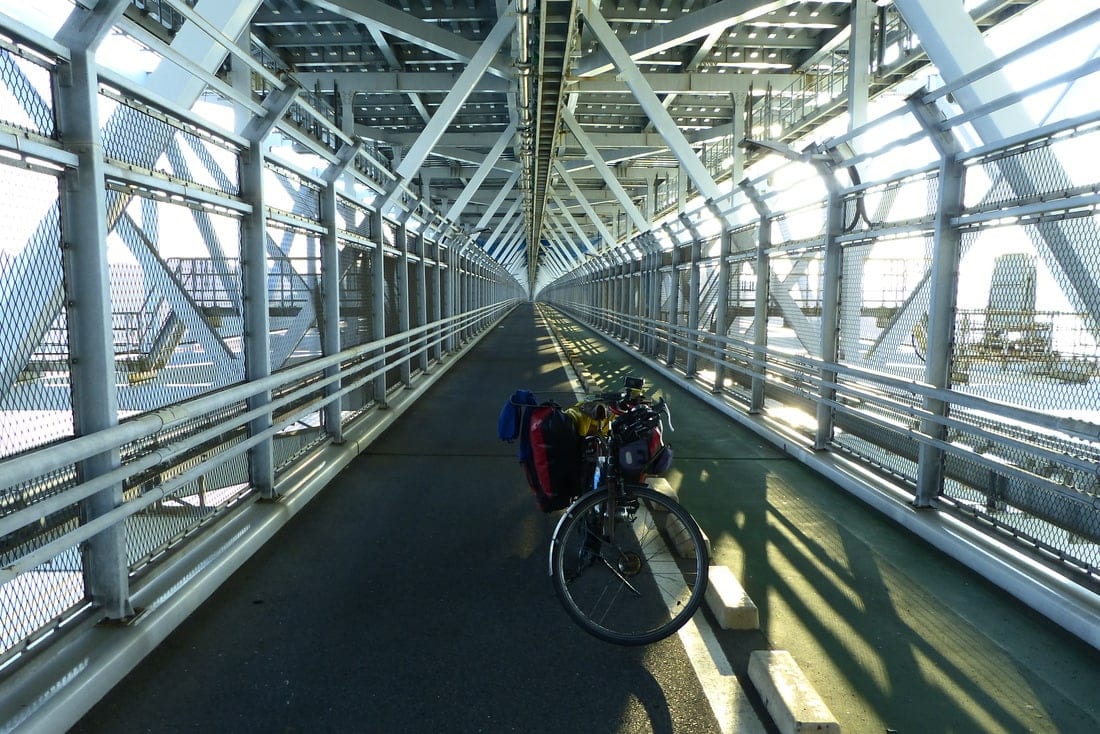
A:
x: 641, y: 581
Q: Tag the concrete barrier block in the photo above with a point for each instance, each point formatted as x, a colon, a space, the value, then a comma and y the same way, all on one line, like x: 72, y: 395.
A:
x: 731, y: 606
x: 791, y: 701
x: 681, y: 539
x: 661, y: 485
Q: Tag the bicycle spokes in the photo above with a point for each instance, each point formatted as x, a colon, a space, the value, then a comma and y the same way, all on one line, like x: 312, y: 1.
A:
x: 615, y: 574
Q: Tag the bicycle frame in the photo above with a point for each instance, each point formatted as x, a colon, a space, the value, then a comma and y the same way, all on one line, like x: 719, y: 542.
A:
x: 605, y: 472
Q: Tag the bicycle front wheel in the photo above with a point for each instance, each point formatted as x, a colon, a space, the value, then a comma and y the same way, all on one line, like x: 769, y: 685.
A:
x: 633, y: 573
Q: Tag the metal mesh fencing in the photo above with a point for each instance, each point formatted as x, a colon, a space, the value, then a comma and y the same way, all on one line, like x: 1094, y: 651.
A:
x: 1022, y: 339
x: 188, y: 505
x: 39, y: 601
x: 356, y: 295
x: 175, y: 300
x: 176, y: 311
x: 797, y: 285
x: 356, y: 314
x: 1020, y: 336
x: 294, y: 290
x: 1060, y: 525
x: 353, y: 220
x: 35, y: 400
x: 741, y: 358
x: 393, y: 305
x: 140, y: 136
x: 304, y: 431
x: 287, y: 193
x: 35, y: 397
x: 1027, y: 173
x: 26, y: 95
x: 884, y: 307
x: 908, y: 200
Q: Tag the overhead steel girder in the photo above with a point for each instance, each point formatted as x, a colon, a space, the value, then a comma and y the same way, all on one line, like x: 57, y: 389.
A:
x: 699, y: 24
x: 608, y: 237
x: 718, y: 85
x: 605, y: 171
x: 452, y: 145
x: 572, y: 220
x: 498, y: 200
x: 450, y: 106
x: 394, y: 63
x: 376, y: 14
x: 206, y: 39
x: 496, y: 234
x: 407, y: 82
x: 462, y: 155
x: 565, y: 239
x: 482, y: 172
x: 652, y: 106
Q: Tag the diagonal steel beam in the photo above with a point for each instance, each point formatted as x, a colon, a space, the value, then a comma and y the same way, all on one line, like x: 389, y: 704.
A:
x: 498, y: 200
x: 571, y: 219
x: 499, y: 230
x: 608, y: 237
x: 450, y: 106
x: 482, y: 172
x: 699, y: 24
x: 605, y: 171
x: 404, y: 81
x: 651, y: 105
x: 377, y: 14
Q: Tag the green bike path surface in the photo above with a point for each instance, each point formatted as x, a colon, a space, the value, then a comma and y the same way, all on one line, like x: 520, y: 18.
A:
x: 412, y: 595
x: 893, y: 635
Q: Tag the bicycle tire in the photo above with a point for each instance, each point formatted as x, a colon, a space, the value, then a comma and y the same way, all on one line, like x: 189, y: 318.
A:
x: 635, y: 588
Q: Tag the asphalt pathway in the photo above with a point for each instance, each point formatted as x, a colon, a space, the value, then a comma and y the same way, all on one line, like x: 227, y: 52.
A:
x: 412, y: 596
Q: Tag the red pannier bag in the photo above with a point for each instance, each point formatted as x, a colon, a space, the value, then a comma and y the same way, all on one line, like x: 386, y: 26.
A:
x: 555, y: 465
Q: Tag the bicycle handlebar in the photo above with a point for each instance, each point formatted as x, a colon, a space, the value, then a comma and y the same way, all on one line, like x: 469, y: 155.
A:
x: 627, y: 399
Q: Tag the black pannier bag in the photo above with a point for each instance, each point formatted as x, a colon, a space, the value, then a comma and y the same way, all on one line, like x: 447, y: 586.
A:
x: 554, y: 462
x: 641, y: 450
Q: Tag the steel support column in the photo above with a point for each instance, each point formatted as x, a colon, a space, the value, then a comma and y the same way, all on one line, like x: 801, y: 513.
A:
x: 254, y: 286
x: 692, y: 335
x: 91, y: 341
x: 760, y: 306
x: 378, y: 300
x: 329, y: 321
x: 674, y: 299
x: 943, y: 287
x: 437, y: 290
x: 402, y: 295
x: 330, y: 308
x: 830, y: 301
x: 859, y: 61
x: 721, y: 313
x: 422, y: 292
